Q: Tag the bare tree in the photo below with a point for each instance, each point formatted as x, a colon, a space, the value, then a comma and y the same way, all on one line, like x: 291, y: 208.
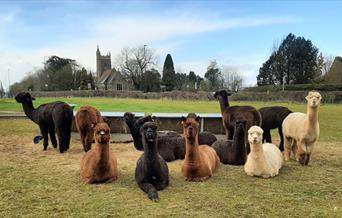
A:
x: 133, y: 62
x: 232, y: 78
x: 327, y: 63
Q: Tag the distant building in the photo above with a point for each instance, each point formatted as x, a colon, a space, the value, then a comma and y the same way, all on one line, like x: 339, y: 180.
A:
x: 108, y: 78
x: 335, y: 73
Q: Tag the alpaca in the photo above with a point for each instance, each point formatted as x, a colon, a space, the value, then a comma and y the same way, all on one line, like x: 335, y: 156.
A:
x: 233, y: 151
x: 52, y: 117
x: 171, y: 145
x: 151, y: 172
x: 264, y: 160
x: 200, y: 161
x: 99, y: 164
x: 230, y: 113
x: 301, y: 131
x: 85, y: 119
x: 273, y: 117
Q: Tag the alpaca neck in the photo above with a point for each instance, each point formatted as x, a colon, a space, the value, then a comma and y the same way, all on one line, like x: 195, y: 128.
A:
x: 224, y: 103
x: 103, y: 151
x: 257, y: 150
x: 239, y: 142
x: 151, y: 150
x: 30, y: 111
x: 191, y: 154
x: 312, y: 117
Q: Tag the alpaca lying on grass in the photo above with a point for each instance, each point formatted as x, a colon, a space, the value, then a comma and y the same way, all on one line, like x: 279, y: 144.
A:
x: 264, y: 160
x: 301, y: 131
x: 52, y: 117
x: 200, y: 160
x: 151, y: 172
x: 233, y: 151
x: 85, y: 119
x: 231, y: 113
x: 99, y: 164
x: 171, y: 145
x: 273, y: 117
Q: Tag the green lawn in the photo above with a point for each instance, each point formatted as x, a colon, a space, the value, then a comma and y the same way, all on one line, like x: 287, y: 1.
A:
x: 34, y: 183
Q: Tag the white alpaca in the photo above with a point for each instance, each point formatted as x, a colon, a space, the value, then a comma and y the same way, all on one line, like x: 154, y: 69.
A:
x: 264, y: 160
x: 301, y: 131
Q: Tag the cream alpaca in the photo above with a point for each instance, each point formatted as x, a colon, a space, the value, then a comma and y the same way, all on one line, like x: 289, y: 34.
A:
x: 264, y: 160
x: 301, y: 131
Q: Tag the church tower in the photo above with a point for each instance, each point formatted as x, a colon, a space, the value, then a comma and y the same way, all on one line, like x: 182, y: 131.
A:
x: 103, y: 62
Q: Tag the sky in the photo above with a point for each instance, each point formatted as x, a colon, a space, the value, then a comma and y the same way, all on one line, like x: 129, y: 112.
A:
x: 237, y: 34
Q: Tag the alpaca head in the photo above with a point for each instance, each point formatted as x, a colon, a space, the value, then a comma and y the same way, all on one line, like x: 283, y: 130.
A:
x: 240, y: 126
x: 221, y: 94
x: 149, y: 132
x: 190, y: 127
x: 102, y: 133
x: 255, y: 135
x: 129, y: 118
x: 314, y: 99
x: 24, y: 97
x: 107, y: 120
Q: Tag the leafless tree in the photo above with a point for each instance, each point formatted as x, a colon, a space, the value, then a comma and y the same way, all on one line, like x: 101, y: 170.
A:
x: 133, y: 62
x: 327, y: 63
x: 232, y: 78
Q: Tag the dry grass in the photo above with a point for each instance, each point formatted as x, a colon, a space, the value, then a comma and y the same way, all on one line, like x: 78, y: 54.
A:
x: 35, y: 183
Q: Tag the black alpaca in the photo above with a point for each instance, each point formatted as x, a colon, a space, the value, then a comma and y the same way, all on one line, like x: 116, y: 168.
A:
x: 151, y: 172
x: 273, y: 117
x: 51, y: 117
x: 233, y: 151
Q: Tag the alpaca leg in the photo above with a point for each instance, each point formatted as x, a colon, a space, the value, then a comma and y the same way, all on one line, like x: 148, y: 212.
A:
x: 281, y: 145
x: 60, y: 140
x: 230, y: 133
x: 52, y: 134
x: 267, y: 136
x: 248, y: 147
x: 161, y: 185
x: 44, y: 130
x: 150, y: 190
x: 287, y: 148
x: 307, y: 159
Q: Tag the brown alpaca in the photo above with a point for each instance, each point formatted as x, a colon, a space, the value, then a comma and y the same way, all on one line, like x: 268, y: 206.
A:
x: 200, y: 160
x: 85, y: 119
x: 99, y: 164
x: 230, y: 114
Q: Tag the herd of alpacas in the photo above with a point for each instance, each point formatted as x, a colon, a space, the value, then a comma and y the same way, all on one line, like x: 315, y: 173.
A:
x: 248, y: 141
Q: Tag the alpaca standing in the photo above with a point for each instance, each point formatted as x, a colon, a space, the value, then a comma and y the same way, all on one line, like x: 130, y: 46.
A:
x: 99, y: 164
x: 200, y: 160
x: 51, y: 117
x: 231, y: 113
x: 264, y: 160
x: 273, y: 117
x: 85, y: 119
x: 301, y: 131
x: 233, y: 151
x: 151, y: 172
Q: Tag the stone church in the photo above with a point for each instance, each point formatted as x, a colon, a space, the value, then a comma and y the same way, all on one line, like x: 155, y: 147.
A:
x: 108, y: 78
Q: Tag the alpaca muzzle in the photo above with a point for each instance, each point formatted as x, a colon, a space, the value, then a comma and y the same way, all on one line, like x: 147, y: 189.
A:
x: 102, y: 133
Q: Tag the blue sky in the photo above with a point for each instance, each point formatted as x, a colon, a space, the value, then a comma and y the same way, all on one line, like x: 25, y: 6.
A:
x: 238, y: 34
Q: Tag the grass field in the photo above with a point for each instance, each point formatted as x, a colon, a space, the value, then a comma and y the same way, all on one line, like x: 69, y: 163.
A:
x: 34, y: 183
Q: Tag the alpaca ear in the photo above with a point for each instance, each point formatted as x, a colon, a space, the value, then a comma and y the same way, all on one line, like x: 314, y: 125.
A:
x: 307, y: 98
x: 92, y: 125
x: 198, y: 118
x: 183, y: 119
x: 33, y: 98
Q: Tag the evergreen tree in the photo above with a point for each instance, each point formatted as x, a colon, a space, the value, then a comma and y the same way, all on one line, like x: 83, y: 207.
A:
x: 168, y: 74
x: 214, y: 76
x: 151, y: 81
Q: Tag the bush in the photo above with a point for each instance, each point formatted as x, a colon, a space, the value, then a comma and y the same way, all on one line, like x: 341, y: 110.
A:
x: 297, y: 87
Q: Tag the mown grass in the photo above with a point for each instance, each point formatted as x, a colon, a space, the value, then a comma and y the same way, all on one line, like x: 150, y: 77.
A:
x: 330, y: 115
x: 34, y: 183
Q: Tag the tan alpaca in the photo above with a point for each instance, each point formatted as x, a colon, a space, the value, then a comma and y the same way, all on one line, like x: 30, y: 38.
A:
x: 99, y: 164
x: 264, y: 160
x: 301, y: 131
x: 200, y: 160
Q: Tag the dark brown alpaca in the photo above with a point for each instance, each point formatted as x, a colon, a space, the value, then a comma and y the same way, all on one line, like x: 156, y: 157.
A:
x: 85, y: 119
x: 51, y: 118
x: 230, y: 114
x: 99, y: 164
x: 200, y: 160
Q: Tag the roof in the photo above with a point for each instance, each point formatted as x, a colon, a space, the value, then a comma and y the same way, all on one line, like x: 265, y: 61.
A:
x: 108, y: 76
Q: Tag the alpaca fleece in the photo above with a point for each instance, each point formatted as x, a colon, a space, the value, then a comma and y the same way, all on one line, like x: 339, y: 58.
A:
x: 233, y: 151
x: 301, y: 131
x: 99, y: 164
x: 51, y: 118
x: 272, y: 118
x: 232, y: 113
x: 264, y: 160
x: 85, y: 119
x: 200, y: 161
x: 151, y: 172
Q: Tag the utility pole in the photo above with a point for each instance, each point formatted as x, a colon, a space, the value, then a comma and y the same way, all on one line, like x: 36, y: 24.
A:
x: 8, y: 79
x: 283, y: 82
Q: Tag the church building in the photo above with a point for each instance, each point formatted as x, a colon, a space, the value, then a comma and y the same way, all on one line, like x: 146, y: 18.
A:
x: 108, y: 78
